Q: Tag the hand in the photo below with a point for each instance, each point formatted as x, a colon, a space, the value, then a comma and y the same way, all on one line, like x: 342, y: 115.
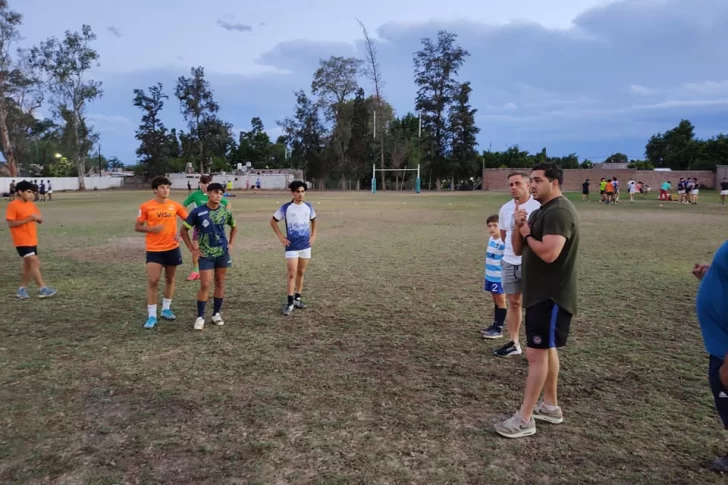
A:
x: 230, y: 247
x: 524, y: 229
x: 699, y: 270
x: 36, y: 217
x: 312, y: 240
x: 284, y: 241
x: 520, y: 216
x: 195, y: 252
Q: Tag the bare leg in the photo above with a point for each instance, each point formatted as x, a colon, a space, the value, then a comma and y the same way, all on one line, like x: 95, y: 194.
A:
x: 34, y: 270
x: 514, y: 315
x: 206, y: 277
x: 169, y: 283
x: 302, y: 265
x: 220, y: 282
x: 25, y: 275
x: 552, y: 378
x: 292, y: 266
x: 538, y: 362
x: 154, y: 272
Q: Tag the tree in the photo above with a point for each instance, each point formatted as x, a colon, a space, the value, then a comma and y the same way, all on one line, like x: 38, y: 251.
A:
x: 360, y: 143
x: 464, y: 132
x: 305, y: 135
x: 65, y: 63
x: 436, y: 66
x: 154, y: 142
x: 196, y: 104
x: 617, y: 158
x: 254, y: 145
x: 676, y: 149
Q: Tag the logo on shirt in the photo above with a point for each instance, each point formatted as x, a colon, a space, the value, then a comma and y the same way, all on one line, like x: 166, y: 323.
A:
x: 205, y: 223
x: 163, y: 215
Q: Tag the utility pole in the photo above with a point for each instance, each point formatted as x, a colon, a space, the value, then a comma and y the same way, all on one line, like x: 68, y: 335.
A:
x: 100, y: 174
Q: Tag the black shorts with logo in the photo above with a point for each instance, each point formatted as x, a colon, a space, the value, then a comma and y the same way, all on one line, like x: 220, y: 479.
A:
x: 25, y: 251
x: 547, y: 325
x: 173, y: 257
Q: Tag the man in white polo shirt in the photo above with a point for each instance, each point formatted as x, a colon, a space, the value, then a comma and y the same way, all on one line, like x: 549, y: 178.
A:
x: 511, y: 276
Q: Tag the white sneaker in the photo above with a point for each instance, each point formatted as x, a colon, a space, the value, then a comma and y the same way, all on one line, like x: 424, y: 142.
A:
x: 199, y: 323
x: 217, y: 320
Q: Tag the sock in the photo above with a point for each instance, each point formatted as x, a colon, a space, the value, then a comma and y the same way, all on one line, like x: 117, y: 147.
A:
x: 197, y: 269
x: 201, y: 308
x: 298, y: 296
x: 152, y: 310
x: 218, y: 305
x: 549, y: 407
x: 500, y: 316
x: 290, y: 299
x: 166, y: 303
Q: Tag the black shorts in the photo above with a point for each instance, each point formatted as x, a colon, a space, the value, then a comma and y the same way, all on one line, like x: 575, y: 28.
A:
x: 547, y: 325
x: 173, y: 257
x: 601, y: 192
x: 584, y: 192
x: 720, y: 394
x: 25, y: 251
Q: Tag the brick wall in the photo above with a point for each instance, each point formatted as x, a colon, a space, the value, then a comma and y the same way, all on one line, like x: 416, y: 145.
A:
x: 495, y: 178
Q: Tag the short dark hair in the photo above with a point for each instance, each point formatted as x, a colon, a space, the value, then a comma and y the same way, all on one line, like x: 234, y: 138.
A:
x: 514, y: 174
x: 157, y: 181
x: 297, y: 184
x: 492, y: 218
x: 215, y: 187
x: 24, y: 185
x: 205, y: 179
x: 551, y: 171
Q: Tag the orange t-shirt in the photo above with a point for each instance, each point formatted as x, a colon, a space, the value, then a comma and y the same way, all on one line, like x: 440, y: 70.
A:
x: 162, y: 214
x: 609, y: 187
x: 25, y: 235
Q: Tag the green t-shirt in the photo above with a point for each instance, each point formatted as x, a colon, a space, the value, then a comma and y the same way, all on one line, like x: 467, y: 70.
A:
x: 199, y: 198
x: 555, y: 281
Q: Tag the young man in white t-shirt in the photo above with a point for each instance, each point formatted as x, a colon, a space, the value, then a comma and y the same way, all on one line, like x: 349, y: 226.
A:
x: 511, y: 276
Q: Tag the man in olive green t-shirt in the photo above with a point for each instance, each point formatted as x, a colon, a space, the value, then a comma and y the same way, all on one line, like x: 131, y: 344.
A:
x: 549, y: 242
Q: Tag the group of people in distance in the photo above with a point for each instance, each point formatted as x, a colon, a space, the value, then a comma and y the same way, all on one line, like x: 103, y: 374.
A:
x: 40, y: 190
x: 210, y: 246
x: 531, y: 258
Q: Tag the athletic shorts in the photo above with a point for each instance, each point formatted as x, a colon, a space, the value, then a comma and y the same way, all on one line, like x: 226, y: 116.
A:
x: 547, y: 325
x: 214, y: 262
x: 720, y: 393
x: 511, y: 278
x: 601, y: 192
x: 173, y: 257
x: 724, y: 192
x: 302, y: 254
x: 584, y: 192
x: 609, y: 194
x: 495, y: 288
x: 26, y: 251
x: 680, y: 192
x: 695, y: 192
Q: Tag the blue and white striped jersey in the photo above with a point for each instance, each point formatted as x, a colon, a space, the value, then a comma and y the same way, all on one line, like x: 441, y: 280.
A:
x: 493, y: 258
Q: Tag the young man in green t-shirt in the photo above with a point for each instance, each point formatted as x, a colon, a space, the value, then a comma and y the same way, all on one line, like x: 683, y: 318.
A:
x: 198, y: 198
x: 548, y: 240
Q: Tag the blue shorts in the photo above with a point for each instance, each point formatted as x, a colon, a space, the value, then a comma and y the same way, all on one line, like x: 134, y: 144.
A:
x: 495, y: 288
x: 720, y: 394
x: 173, y: 257
x: 208, y: 263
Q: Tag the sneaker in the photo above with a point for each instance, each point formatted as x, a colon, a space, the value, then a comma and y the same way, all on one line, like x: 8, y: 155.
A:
x: 508, y: 350
x: 543, y: 414
x: 493, y: 333
x: 288, y: 309
x: 46, y: 292
x: 516, y: 427
x: 720, y: 465
x: 151, y: 322
x: 217, y: 320
x: 299, y: 304
x: 199, y: 323
x: 193, y: 276
x: 22, y: 294
x: 168, y: 315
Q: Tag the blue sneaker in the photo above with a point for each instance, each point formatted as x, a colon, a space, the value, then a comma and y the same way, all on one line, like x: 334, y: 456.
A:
x: 151, y: 322
x: 46, y: 292
x: 168, y: 315
x: 22, y: 294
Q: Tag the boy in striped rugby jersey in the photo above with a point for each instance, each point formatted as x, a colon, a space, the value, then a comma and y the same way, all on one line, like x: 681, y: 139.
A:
x: 493, y: 281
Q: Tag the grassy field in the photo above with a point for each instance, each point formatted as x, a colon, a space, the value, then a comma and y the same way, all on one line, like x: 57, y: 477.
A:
x: 384, y: 379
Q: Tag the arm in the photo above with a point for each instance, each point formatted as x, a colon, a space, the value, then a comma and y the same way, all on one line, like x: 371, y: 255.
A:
x: 312, y: 239
x: 185, y: 236
x: 517, y: 242
x: 20, y: 222
x: 279, y: 234
x: 549, y: 249
x: 558, y: 227
x: 233, y: 236
x: 142, y: 226
x: 503, y: 235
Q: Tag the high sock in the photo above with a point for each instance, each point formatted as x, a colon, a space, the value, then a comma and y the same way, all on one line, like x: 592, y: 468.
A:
x: 166, y: 303
x: 290, y: 299
x: 152, y: 310
x: 298, y: 296
x: 500, y: 316
x: 201, y: 309
x: 218, y: 305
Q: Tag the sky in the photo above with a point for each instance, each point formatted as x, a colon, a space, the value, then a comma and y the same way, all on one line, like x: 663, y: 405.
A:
x: 591, y: 77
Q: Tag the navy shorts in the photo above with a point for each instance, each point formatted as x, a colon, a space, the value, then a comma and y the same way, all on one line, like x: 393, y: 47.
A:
x: 547, y: 325
x: 173, y: 257
x: 25, y: 251
x: 208, y: 263
x: 720, y: 394
x: 495, y: 288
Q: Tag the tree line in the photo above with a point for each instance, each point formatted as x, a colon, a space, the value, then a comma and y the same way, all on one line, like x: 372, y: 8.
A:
x: 336, y: 132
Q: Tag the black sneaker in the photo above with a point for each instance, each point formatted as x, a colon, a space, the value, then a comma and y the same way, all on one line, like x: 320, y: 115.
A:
x: 287, y: 310
x: 720, y: 465
x: 493, y: 333
x: 507, y: 350
x: 299, y: 304
x: 487, y: 329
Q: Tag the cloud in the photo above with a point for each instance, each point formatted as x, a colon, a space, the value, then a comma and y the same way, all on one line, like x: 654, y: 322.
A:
x: 114, y: 30
x: 230, y: 26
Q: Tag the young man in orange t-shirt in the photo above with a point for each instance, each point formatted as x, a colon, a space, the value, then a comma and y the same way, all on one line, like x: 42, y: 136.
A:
x: 22, y: 216
x: 158, y: 219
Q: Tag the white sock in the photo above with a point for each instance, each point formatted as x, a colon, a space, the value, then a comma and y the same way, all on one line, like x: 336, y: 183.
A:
x: 152, y: 309
x: 549, y: 407
x: 166, y: 302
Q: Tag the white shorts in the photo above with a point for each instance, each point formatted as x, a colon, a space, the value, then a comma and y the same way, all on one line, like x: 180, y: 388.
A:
x: 680, y: 192
x: 724, y: 192
x: 695, y: 192
x: 302, y: 254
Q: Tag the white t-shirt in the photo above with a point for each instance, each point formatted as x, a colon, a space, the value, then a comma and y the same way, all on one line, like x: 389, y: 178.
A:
x: 632, y: 186
x: 507, y: 223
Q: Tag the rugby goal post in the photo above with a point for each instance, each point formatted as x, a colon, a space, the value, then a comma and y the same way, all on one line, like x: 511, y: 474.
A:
x: 375, y: 170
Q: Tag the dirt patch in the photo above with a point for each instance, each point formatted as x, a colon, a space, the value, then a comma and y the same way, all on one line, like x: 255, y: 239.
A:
x: 119, y: 250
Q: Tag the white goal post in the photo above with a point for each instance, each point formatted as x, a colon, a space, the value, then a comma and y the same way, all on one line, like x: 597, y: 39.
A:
x: 375, y: 170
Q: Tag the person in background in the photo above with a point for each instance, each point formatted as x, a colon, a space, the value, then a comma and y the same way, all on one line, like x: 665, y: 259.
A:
x: 12, y: 191
x: 723, y: 189
x: 695, y: 190
x: 50, y: 191
x: 42, y: 191
x: 494, y: 278
x: 602, y: 189
x: 585, y: 190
